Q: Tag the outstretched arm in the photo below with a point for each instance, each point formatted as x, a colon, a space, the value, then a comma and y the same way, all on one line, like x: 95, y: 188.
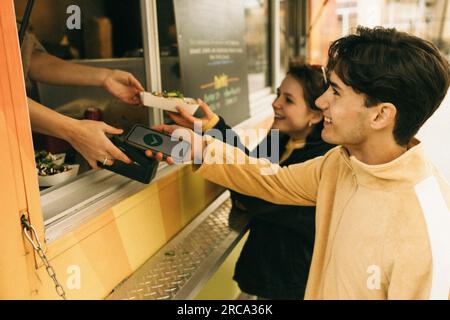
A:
x: 230, y: 167
x: 52, y: 70
x: 293, y: 185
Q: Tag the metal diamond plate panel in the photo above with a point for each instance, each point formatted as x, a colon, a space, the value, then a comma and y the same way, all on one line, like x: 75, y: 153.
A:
x: 181, y: 266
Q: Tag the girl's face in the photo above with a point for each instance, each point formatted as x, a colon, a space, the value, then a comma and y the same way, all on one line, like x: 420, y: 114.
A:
x: 292, y: 115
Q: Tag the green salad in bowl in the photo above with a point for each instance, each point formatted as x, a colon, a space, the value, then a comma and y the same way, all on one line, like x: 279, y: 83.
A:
x: 52, y: 170
x: 48, y: 164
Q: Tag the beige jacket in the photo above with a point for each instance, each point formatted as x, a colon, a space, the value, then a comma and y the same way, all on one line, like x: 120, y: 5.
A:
x: 382, y: 231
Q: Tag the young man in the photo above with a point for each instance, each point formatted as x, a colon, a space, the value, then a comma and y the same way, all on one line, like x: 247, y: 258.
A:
x: 382, y: 218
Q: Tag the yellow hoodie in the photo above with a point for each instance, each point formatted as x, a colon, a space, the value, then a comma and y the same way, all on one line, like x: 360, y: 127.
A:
x: 382, y: 231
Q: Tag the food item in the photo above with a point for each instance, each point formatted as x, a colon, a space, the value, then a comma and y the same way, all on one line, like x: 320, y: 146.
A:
x: 169, y: 94
x: 174, y: 95
x: 48, y: 164
x: 169, y: 100
x: 52, y: 170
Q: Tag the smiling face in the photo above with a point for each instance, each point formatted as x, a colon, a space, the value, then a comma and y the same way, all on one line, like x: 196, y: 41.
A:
x: 346, y: 118
x: 292, y: 115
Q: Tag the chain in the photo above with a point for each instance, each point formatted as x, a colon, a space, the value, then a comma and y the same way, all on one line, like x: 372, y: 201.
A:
x: 29, y: 232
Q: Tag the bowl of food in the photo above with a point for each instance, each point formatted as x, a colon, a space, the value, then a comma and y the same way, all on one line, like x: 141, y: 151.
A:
x: 47, y: 157
x: 168, y: 100
x: 52, y: 170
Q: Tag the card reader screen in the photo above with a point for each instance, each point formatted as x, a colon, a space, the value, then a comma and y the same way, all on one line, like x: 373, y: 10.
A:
x: 150, y: 139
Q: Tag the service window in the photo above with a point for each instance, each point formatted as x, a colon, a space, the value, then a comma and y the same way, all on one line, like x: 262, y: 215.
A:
x: 109, y: 36
x: 124, y: 35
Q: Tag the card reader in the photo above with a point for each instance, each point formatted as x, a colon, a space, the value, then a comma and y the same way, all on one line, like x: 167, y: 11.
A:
x: 143, y: 169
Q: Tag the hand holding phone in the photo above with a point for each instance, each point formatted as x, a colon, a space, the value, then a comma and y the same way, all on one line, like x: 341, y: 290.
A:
x: 145, y: 138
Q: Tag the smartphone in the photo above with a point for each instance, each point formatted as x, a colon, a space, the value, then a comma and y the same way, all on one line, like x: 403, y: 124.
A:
x: 143, y: 169
x: 145, y: 138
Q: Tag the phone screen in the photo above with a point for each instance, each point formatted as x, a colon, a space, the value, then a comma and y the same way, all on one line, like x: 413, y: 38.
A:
x: 146, y: 138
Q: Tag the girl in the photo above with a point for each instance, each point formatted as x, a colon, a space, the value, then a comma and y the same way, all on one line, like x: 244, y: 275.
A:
x: 275, y: 260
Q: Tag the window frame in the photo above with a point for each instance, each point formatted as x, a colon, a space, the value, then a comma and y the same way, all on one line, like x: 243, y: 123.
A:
x: 22, y: 185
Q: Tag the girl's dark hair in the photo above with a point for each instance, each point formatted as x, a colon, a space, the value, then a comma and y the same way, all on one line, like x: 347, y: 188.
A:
x: 393, y: 67
x: 313, y: 81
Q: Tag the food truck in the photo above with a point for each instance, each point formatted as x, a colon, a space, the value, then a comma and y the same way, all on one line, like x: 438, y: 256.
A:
x: 95, y: 234
x: 101, y: 232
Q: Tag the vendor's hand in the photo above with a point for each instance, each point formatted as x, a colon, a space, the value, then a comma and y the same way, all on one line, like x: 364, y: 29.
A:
x: 183, y: 118
x: 124, y: 86
x: 89, y: 139
x: 196, y: 142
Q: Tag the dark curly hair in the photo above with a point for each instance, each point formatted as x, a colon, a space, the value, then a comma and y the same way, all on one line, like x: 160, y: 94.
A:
x: 312, y: 79
x: 391, y: 66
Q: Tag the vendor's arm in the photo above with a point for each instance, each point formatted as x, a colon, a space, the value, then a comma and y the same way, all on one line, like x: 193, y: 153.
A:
x: 52, y: 70
x: 86, y: 136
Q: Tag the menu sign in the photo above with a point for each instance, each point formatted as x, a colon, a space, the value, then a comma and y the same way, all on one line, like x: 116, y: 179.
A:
x: 213, y: 58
